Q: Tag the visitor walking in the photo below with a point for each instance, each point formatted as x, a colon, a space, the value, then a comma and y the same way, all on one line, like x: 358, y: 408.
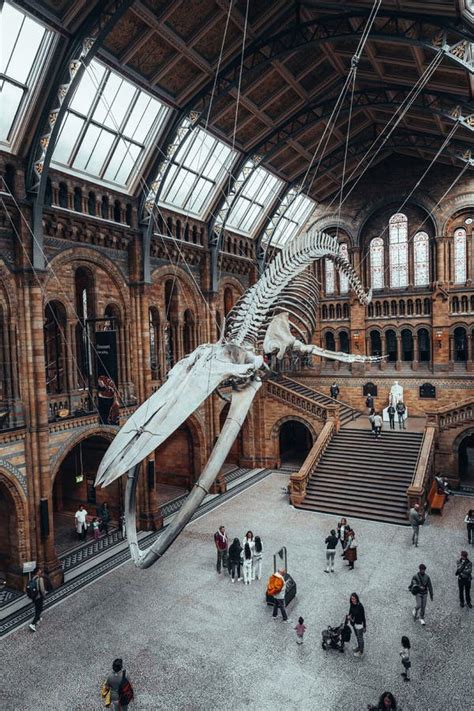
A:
x: 391, y: 416
x: 372, y: 420
x: 416, y: 520
x: 469, y: 521
x: 464, y: 575
x: 279, y: 597
x: 121, y: 692
x: 420, y: 586
x: 357, y: 619
x: 36, y: 591
x: 248, y: 558
x: 350, y: 551
x: 257, y: 559
x: 342, y: 530
x: 104, y: 515
x: 378, y: 422
x: 400, y: 408
x: 222, y: 544
x: 81, y: 522
x: 235, y: 559
x: 405, y: 657
x: 334, y: 390
x: 369, y: 402
x: 300, y: 630
x: 331, y: 545
x: 386, y: 702
x: 96, y: 528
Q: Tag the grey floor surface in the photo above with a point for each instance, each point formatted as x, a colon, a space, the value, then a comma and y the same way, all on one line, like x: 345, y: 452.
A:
x: 191, y: 640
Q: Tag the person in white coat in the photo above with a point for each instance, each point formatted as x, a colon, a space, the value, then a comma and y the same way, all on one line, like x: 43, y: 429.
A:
x: 81, y: 522
x: 247, y: 565
x: 257, y: 559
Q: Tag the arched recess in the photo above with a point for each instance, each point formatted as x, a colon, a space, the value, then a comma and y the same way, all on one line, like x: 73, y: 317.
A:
x: 14, y: 531
x: 180, y: 460
x: 463, y: 450
x: 295, y: 441
x: 73, y: 471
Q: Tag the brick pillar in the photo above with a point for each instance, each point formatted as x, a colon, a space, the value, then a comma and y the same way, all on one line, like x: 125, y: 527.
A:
x: 416, y: 352
x: 398, y: 362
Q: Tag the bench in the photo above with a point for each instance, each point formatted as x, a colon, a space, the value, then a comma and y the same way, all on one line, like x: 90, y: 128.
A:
x: 436, y: 501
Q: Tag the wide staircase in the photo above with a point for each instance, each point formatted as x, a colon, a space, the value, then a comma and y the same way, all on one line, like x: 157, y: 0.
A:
x: 346, y: 412
x: 363, y: 477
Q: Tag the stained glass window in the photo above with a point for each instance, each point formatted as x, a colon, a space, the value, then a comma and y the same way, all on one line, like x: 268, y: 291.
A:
x: 343, y: 280
x: 257, y: 195
x: 460, y: 273
x: 377, y: 263
x: 421, y: 259
x: 108, y: 128
x: 24, y: 49
x: 199, y: 167
x: 397, y: 235
x: 330, y: 276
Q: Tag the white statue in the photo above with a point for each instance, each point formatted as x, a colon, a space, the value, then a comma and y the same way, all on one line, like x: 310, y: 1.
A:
x: 396, y: 394
x: 254, y: 330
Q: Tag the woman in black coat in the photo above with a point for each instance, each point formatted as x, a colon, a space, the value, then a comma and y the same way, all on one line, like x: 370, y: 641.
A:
x: 356, y: 617
x: 386, y: 702
x: 235, y: 552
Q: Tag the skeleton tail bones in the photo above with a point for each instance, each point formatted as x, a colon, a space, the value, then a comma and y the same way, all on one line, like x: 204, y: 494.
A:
x: 233, y: 361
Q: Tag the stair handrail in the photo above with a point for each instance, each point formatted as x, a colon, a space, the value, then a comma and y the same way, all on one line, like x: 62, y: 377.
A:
x: 299, y: 480
x: 451, y: 415
x: 301, y: 402
x: 423, y: 473
x: 354, y: 411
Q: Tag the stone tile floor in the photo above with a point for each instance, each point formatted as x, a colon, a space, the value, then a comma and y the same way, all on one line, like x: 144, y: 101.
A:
x: 191, y: 640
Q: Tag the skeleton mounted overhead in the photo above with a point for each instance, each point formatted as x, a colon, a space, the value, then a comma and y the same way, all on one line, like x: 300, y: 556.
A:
x: 258, y: 324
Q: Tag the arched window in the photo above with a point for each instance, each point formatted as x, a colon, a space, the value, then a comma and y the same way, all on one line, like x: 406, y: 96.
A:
x: 154, y: 331
x: 460, y: 272
x: 460, y: 344
x: 344, y: 341
x: 421, y: 259
x: 329, y: 341
x: 62, y: 195
x: 77, y: 199
x: 391, y: 345
x: 171, y: 307
x: 104, y: 207
x: 330, y: 276
x: 397, y: 236
x: 188, y: 334
x: 378, y: 308
x: 91, y: 204
x: 377, y: 263
x: 386, y: 308
x: 375, y: 343
x: 331, y: 312
x: 228, y: 301
x: 338, y: 311
x: 345, y: 311
x: 424, y: 345
x: 85, y: 311
x: 343, y: 280
x: 407, y: 345
x: 324, y: 312
x: 54, y: 334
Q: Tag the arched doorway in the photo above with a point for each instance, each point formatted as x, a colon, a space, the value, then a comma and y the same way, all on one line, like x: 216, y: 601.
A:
x: 407, y: 345
x: 424, y: 345
x: 375, y: 343
x: 295, y: 442
x: 10, y: 565
x: 391, y: 345
x: 176, y: 465
x: 74, y: 485
x: 466, y: 461
x: 460, y: 345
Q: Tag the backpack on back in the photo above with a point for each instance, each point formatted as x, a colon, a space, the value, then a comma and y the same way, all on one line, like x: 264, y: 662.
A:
x: 275, y: 584
x: 32, y: 589
x: 125, y: 691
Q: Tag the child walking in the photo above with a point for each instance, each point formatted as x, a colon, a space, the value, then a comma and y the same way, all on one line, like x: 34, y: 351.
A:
x: 96, y: 529
x: 405, y: 656
x: 300, y: 630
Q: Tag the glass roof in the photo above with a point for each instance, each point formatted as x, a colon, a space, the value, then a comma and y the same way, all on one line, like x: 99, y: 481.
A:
x: 109, y: 127
x: 292, y: 220
x: 24, y: 43
x: 254, y: 201
x: 196, y: 173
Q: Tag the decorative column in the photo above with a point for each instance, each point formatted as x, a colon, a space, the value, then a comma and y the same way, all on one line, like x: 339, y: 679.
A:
x: 416, y: 352
x: 383, y: 338
x: 451, y: 352
x: 398, y: 362
x: 469, y: 363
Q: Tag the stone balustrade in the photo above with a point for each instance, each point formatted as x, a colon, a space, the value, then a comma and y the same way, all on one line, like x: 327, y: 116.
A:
x: 452, y: 416
x: 418, y: 490
x: 300, y: 402
x: 299, y: 480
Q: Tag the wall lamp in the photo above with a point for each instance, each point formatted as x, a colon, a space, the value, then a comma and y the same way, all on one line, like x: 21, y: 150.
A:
x: 355, y: 338
x: 439, y: 338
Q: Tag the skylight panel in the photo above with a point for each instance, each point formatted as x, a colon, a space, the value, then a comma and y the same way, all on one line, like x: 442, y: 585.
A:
x: 198, y: 168
x: 292, y: 220
x: 109, y: 128
x: 24, y: 45
x: 254, y: 201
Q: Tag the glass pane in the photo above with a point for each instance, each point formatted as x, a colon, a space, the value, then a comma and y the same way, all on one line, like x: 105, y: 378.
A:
x: 67, y: 138
x: 398, y: 229
x: 460, y: 273
x: 10, y: 26
x: 18, y: 65
x: 178, y: 192
x: 421, y: 259
x: 251, y: 218
x: 87, y: 146
x: 343, y: 280
x: 377, y: 263
x: 238, y: 211
x: 217, y: 161
x: 87, y: 89
x: 10, y: 101
x: 199, y: 195
x: 100, y: 152
x: 330, y: 276
x: 130, y: 154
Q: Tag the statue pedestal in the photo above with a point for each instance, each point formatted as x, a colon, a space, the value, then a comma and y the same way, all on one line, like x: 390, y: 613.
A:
x: 386, y: 418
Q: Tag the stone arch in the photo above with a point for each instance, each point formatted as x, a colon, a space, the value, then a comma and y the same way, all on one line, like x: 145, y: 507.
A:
x: 106, y: 431
x: 295, y: 440
x: 329, y: 224
x: 160, y: 275
x: 275, y: 431
x: 366, y: 214
x: 456, y: 446
x: 456, y: 208
x: 17, y: 496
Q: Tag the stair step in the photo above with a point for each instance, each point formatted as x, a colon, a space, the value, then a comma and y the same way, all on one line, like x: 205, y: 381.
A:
x: 373, y: 480
x: 344, y: 501
x: 375, y: 464
x: 355, y: 513
x: 323, y: 491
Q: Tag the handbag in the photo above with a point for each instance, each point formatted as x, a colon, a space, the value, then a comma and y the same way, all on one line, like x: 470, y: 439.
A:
x: 105, y: 694
x: 125, y: 691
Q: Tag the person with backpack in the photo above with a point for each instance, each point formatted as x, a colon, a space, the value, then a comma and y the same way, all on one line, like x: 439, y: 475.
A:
x: 405, y: 656
x: 36, y: 591
x: 334, y: 390
x: 235, y: 560
x: 121, y: 690
x: 276, y: 589
x: 464, y: 576
x: 257, y: 559
x: 420, y: 586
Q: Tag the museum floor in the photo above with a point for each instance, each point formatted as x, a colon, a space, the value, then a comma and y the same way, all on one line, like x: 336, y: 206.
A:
x: 191, y: 640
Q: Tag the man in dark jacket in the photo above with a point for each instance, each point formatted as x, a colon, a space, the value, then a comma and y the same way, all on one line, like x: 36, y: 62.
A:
x: 421, y: 586
x: 416, y: 520
x: 38, y: 600
x: 400, y: 408
x: 464, y: 575
x: 391, y: 416
x: 334, y: 390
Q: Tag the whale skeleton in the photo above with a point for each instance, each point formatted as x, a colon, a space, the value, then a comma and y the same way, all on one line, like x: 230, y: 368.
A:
x: 284, y: 297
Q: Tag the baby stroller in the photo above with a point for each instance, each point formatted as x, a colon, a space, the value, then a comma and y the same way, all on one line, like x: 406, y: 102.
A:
x: 336, y: 637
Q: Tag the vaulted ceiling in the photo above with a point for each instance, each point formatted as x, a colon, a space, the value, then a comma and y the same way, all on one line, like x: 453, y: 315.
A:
x: 277, y: 100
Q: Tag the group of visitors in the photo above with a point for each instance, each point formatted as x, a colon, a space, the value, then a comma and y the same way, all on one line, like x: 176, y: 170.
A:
x: 98, y: 524
x: 347, y: 538
x: 242, y: 559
